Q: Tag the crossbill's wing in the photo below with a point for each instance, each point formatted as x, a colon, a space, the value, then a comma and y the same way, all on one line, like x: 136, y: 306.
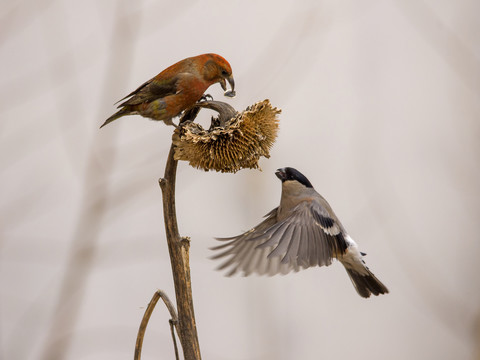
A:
x: 154, y: 89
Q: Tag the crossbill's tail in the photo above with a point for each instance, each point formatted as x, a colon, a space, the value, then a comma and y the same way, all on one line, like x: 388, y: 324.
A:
x: 122, y: 112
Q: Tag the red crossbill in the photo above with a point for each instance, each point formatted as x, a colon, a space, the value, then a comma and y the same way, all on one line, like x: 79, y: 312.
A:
x: 176, y: 88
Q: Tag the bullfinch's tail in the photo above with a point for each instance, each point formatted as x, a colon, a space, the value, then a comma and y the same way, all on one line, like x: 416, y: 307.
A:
x: 367, y: 284
x: 122, y: 112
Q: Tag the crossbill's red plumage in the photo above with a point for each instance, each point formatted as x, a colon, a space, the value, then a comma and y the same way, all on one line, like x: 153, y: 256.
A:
x: 176, y: 88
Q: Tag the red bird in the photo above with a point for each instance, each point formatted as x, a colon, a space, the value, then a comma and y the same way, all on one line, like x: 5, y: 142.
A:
x: 176, y: 88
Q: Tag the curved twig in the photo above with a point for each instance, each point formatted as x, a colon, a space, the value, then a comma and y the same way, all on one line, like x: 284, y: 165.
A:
x: 159, y: 294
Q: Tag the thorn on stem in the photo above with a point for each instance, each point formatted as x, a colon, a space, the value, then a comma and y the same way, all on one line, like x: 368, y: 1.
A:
x: 185, y: 241
x: 162, y: 182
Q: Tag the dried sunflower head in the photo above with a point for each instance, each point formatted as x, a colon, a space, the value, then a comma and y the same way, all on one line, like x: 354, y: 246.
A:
x: 238, y: 144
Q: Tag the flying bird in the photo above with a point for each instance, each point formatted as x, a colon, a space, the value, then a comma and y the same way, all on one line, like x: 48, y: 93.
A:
x: 176, y: 88
x: 300, y: 233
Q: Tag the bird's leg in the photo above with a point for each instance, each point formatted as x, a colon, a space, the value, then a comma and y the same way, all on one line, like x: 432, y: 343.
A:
x: 189, y: 115
x: 170, y: 122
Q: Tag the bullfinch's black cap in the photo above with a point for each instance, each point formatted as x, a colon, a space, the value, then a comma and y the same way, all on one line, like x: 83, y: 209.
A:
x: 291, y: 174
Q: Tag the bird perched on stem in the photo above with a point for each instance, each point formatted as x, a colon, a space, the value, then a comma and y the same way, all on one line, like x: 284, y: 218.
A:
x: 176, y: 88
x: 302, y: 232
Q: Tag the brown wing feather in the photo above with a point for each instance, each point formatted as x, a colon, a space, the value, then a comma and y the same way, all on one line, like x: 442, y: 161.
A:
x: 152, y: 90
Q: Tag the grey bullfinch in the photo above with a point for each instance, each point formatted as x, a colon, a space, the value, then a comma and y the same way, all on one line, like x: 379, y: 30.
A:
x: 302, y: 232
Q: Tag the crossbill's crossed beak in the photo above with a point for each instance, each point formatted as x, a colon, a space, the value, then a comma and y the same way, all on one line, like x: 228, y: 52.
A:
x: 230, y: 93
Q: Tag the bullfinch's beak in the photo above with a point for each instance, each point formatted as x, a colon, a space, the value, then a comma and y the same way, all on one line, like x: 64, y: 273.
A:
x: 281, y: 174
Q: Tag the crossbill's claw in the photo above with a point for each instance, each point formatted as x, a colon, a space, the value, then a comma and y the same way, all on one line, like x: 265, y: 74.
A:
x: 206, y: 97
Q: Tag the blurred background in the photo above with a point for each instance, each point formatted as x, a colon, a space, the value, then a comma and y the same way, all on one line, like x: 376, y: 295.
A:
x: 380, y: 110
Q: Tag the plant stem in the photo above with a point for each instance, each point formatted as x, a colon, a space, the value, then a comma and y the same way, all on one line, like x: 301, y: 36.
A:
x: 179, y: 247
x: 179, y: 257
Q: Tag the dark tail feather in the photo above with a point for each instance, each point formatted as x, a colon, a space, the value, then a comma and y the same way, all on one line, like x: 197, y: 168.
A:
x: 366, y: 284
x: 122, y: 112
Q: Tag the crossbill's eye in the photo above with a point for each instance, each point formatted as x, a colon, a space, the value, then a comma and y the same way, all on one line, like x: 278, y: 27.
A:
x: 224, y: 73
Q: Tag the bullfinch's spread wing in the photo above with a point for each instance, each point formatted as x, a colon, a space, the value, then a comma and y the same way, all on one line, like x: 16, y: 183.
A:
x: 306, y: 237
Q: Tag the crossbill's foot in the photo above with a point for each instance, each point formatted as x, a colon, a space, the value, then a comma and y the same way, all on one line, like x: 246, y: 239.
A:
x: 206, y: 97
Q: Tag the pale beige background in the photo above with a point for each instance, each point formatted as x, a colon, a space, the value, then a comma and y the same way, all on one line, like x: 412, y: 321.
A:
x: 381, y: 111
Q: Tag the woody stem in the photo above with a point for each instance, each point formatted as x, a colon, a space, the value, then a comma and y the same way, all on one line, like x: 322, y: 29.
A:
x: 179, y: 257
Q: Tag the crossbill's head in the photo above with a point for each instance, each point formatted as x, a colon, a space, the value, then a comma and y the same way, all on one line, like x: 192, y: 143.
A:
x: 217, y: 69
